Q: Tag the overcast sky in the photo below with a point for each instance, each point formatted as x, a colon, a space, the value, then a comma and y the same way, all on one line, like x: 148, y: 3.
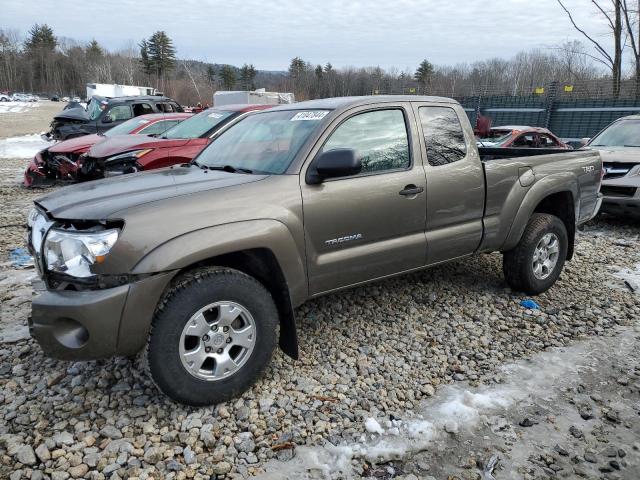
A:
x: 268, y: 34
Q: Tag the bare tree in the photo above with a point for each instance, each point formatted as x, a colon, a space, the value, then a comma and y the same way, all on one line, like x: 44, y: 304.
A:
x: 613, y: 61
x: 632, y: 22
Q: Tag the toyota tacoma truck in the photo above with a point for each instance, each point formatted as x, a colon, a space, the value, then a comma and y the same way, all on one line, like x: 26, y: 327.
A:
x: 200, y: 266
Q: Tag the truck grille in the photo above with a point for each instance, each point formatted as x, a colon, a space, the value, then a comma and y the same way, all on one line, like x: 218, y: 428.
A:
x: 616, y: 170
x: 613, y: 191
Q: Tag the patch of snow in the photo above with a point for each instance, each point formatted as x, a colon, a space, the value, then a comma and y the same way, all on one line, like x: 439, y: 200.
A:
x: 372, y: 426
x: 25, y: 146
x: 627, y: 275
x: 455, y: 408
x: 17, y: 107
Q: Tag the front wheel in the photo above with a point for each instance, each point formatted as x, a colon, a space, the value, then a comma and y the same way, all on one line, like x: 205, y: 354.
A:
x: 535, y: 264
x: 212, y: 336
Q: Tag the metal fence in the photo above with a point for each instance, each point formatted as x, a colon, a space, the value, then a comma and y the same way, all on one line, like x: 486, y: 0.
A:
x: 571, y: 111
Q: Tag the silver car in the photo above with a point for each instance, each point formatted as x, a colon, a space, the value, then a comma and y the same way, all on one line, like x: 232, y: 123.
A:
x: 619, y: 147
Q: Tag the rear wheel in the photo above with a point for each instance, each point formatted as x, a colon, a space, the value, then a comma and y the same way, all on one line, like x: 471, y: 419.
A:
x: 535, y: 264
x: 212, y: 336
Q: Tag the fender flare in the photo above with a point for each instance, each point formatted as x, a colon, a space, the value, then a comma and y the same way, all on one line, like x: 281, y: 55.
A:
x: 200, y: 245
x: 549, y: 185
x: 205, y: 244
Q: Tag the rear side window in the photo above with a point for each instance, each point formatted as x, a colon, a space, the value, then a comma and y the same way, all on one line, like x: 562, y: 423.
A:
x: 158, y: 127
x: 443, y: 135
x: 547, y: 142
x: 166, y: 107
x: 141, y: 109
x: 379, y: 138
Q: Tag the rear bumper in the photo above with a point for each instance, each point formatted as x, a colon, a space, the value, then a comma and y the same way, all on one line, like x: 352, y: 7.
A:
x: 95, y: 324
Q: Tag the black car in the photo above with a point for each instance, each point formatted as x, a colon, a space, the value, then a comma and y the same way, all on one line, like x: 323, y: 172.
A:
x: 103, y: 113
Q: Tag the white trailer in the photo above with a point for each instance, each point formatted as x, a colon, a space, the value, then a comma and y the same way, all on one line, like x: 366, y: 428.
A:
x: 114, y: 90
x: 259, y: 96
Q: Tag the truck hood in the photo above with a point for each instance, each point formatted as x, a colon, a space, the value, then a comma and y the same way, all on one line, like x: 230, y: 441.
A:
x: 100, y: 199
x: 73, y: 114
x: 127, y: 143
x: 619, y: 154
x: 78, y: 144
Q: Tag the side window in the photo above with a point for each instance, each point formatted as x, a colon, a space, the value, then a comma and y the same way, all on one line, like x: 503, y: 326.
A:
x: 443, y: 135
x: 379, y: 138
x: 547, y: 142
x: 158, y: 127
x: 526, y: 140
x: 120, y: 112
x: 141, y: 109
x: 166, y: 107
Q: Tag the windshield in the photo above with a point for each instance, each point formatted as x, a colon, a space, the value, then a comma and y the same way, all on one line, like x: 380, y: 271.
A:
x: 93, y: 108
x: 126, y: 127
x: 262, y: 143
x: 497, y: 137
x: 198, y: 125
x: 625, y: 133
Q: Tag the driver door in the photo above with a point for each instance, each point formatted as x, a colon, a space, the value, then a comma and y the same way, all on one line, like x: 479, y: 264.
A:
x: 372, y: 224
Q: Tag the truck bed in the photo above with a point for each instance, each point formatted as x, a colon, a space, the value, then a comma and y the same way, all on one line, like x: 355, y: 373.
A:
x: 511, y: 174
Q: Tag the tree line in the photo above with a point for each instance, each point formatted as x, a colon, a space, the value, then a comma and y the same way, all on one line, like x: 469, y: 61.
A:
x: 42, y: 62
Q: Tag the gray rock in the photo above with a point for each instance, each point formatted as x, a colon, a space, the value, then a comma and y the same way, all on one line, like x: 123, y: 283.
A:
x: 109, y: 431
x: 26, y: 455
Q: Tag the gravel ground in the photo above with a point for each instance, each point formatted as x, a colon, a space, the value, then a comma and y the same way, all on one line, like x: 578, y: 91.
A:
x: 378, y: 351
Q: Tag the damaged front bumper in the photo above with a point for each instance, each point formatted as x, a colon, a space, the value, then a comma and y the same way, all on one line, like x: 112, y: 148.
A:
x: 46, y: 168
x: 93, y: 324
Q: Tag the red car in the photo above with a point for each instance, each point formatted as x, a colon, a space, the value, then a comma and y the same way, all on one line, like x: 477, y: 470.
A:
x: 127, y: 154
x: 60, y: 161
x: 516, y: 136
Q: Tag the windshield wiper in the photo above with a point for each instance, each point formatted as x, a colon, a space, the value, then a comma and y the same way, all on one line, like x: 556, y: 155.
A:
x: 632, y: 145
x: 228, y: 168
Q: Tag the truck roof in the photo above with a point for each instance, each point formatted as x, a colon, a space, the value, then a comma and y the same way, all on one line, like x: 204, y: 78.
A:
x: 344, y: 102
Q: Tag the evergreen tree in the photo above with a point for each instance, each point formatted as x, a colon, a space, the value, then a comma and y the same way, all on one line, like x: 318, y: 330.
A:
x: 228, y: 76
x: 424, y: 73
x: 94, y: 51
x: 245, y: 79
x: 328, y: 68
x: 157, y: 55
x: 297, y: 68
x: 40, y: 38
x: 161, y: 53
x: 319, y: 72
x: 252, y: 76
x: 147, y: 65
x: 211, y: 75
x: 40, y: 48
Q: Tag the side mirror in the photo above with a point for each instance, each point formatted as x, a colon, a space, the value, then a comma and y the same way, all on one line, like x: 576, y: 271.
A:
x: 340, y: 162
x: 107, y: 119
x: 584, y: 141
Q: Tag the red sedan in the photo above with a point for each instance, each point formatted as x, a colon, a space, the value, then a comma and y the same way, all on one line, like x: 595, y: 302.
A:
x: 60, y: 161
x: 516, y: 136
x: 127, y: 154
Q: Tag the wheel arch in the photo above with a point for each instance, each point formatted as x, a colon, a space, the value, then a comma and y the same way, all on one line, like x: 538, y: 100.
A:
x: 555, y: 195
x: 263, y: 249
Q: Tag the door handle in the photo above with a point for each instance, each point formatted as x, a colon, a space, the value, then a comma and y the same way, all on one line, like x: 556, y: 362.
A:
x: 411, y: 190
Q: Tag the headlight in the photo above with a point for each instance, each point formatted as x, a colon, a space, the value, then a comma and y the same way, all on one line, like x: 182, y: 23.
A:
x: 31, y: 217
x: 136, y: 154
x: 73, y: 253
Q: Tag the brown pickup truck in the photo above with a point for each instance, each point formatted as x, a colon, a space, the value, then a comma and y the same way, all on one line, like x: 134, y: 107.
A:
x: 200, y: 266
